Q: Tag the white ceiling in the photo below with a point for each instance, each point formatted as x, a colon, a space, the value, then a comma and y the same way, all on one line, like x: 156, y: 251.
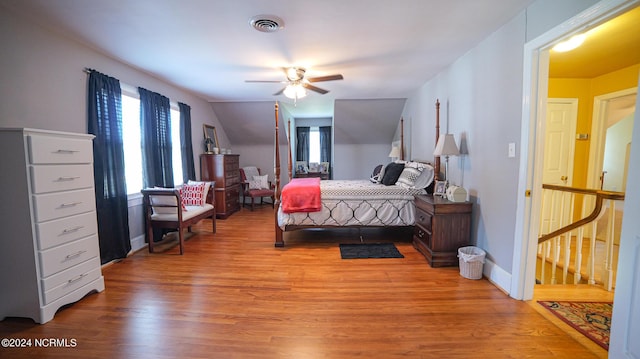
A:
x: 384, y: 49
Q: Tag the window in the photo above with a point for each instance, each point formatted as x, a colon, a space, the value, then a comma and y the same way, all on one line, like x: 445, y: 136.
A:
x: 132, y: 141
x: 314, y: 145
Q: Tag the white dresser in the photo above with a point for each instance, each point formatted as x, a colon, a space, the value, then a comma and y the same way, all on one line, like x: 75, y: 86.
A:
x: 49, y: 252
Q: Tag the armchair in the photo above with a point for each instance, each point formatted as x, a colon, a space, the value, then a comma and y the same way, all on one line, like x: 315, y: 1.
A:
x: 255, y: 186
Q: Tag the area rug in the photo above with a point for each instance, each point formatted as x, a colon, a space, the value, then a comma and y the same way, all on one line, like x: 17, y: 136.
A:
x: 369, y: 250
x: 592, y: 319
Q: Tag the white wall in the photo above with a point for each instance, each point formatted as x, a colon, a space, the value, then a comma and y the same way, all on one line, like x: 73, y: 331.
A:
x: 43, y: 85
x: 481, y: 102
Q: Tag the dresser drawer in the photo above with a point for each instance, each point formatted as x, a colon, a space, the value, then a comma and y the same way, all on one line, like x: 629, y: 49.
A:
x: 52, y: 149
x: 63, y: 204
x: 60, y: 284
x: 422, y: 236
x: 48, y: 178
x: 423, y: 219
x: 67, y: 255
x: 59, y: 231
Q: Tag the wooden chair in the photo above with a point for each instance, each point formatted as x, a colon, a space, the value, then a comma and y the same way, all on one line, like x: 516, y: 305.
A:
x: 246, y: 174
x: 163, y: 208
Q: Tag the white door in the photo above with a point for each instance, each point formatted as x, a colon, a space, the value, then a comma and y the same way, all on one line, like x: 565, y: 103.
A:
x: 559, y: 151
x: 625, y: 329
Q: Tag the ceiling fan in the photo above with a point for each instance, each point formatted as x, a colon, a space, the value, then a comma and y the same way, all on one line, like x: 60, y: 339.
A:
x: 297, y: 83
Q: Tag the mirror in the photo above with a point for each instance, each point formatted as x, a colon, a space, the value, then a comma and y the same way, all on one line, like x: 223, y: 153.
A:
x: 210, y: 139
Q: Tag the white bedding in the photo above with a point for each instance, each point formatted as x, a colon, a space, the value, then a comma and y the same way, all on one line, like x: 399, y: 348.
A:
x: 358, y: 203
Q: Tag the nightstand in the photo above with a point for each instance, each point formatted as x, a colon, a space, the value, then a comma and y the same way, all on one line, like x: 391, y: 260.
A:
x: 441, y: 228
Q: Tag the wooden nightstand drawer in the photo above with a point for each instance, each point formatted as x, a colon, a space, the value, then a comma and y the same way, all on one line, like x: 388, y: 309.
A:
x: 423, y: 219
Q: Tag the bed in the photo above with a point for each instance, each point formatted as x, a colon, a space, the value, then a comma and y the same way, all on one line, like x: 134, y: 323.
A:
x: 354, y: 203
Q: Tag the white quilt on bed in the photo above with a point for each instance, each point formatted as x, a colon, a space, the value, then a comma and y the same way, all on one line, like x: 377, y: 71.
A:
x: 358, y: 203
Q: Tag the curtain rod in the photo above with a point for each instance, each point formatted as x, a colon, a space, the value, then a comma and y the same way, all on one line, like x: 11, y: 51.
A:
x: 87, y: 70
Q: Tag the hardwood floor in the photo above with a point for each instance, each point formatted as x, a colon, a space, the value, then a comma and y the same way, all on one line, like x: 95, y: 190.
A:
x: 233, y: 295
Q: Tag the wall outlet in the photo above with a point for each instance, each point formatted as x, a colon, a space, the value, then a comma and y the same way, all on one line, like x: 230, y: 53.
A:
x: 512, y: 150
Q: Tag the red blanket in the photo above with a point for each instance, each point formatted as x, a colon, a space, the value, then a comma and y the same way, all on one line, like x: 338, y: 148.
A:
x: 301, y: 195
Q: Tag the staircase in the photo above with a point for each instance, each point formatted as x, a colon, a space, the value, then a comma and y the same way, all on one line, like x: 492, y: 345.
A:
x: 580, y: 236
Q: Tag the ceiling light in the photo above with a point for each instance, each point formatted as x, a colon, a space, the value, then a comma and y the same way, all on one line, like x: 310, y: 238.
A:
x: 570, y: 44
x: 295, y: 91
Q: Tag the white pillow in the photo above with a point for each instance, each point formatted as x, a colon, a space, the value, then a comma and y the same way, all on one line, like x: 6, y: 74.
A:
x: 408, y: 177
x: 259, y: 182
x: 166, y: 201
x: 426, y: 177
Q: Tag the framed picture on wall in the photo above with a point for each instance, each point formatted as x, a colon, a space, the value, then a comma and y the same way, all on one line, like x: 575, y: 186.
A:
x: 440, y: 188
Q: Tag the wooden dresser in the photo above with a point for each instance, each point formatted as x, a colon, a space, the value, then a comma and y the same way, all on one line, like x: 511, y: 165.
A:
x: 323, y: 176
x: 441, y: 228
x: 225, y: 171
x: 49, y: 251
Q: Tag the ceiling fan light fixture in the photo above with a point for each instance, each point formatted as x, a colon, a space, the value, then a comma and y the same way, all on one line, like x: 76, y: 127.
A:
x: 295, y: 91
x: 266, y: 23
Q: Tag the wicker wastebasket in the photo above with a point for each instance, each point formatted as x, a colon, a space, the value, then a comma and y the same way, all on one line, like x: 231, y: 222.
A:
x: 471, y: 262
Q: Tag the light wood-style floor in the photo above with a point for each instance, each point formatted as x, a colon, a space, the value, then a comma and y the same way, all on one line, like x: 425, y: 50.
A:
x: 233, y: 295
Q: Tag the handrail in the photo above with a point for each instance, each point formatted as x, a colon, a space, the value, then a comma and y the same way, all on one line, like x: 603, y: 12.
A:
x: 601, y: 195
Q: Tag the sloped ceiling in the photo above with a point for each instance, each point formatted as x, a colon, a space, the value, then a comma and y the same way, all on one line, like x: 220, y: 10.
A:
x: 384, y: 49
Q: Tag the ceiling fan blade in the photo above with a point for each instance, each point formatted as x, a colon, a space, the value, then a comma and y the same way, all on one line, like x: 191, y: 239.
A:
x: 325, y: 78
x: 314, y: 88
x: 279, y: 92
x: 261, y: 81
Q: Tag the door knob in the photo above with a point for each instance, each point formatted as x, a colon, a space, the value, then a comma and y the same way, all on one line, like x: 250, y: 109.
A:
x: 564, y: 179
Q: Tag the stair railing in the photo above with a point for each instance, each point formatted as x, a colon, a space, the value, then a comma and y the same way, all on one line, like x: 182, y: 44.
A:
x: 557, y: 242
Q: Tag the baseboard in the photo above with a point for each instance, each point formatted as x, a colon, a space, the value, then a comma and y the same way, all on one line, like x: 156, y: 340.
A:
x: 498, y: 276
x: 137, y: 243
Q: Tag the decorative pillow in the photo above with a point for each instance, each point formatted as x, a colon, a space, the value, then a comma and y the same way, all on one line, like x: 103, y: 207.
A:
x: 250, y: 172
x: 192, y: 194
x: 259, y: 182
x: 408, y: 177
x: 164, y: 201
x: 426, y: 177
x: 392, y: 173
x: 205, y: 190
x: 375, y: 176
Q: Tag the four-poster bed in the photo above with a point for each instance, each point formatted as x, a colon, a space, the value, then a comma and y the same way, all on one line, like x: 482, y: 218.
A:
x: 352, y: 203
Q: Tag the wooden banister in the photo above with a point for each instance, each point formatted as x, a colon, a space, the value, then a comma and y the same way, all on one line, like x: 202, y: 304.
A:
x: 600, y: 197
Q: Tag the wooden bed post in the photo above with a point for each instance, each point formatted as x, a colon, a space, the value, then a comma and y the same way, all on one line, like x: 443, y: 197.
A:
x: 437, y: 158
x: 289, y: 151
x: 402, y: 138
x: 279, y: 242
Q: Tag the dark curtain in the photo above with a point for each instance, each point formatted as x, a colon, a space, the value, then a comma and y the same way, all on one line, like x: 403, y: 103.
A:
x: 302, y: 143
x: 325, y: 145
x: 188, y: 167
x: 155, y: 130
x: 105, y: 123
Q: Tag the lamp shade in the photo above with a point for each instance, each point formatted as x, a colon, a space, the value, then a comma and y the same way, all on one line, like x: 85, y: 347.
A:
x: 395, y: 152
x: 446, y: 146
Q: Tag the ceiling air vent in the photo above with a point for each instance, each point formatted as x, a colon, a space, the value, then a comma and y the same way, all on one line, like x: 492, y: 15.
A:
x: 266, y: 23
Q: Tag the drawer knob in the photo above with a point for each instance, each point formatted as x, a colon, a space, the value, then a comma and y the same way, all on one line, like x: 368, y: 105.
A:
x: 421, y: 218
